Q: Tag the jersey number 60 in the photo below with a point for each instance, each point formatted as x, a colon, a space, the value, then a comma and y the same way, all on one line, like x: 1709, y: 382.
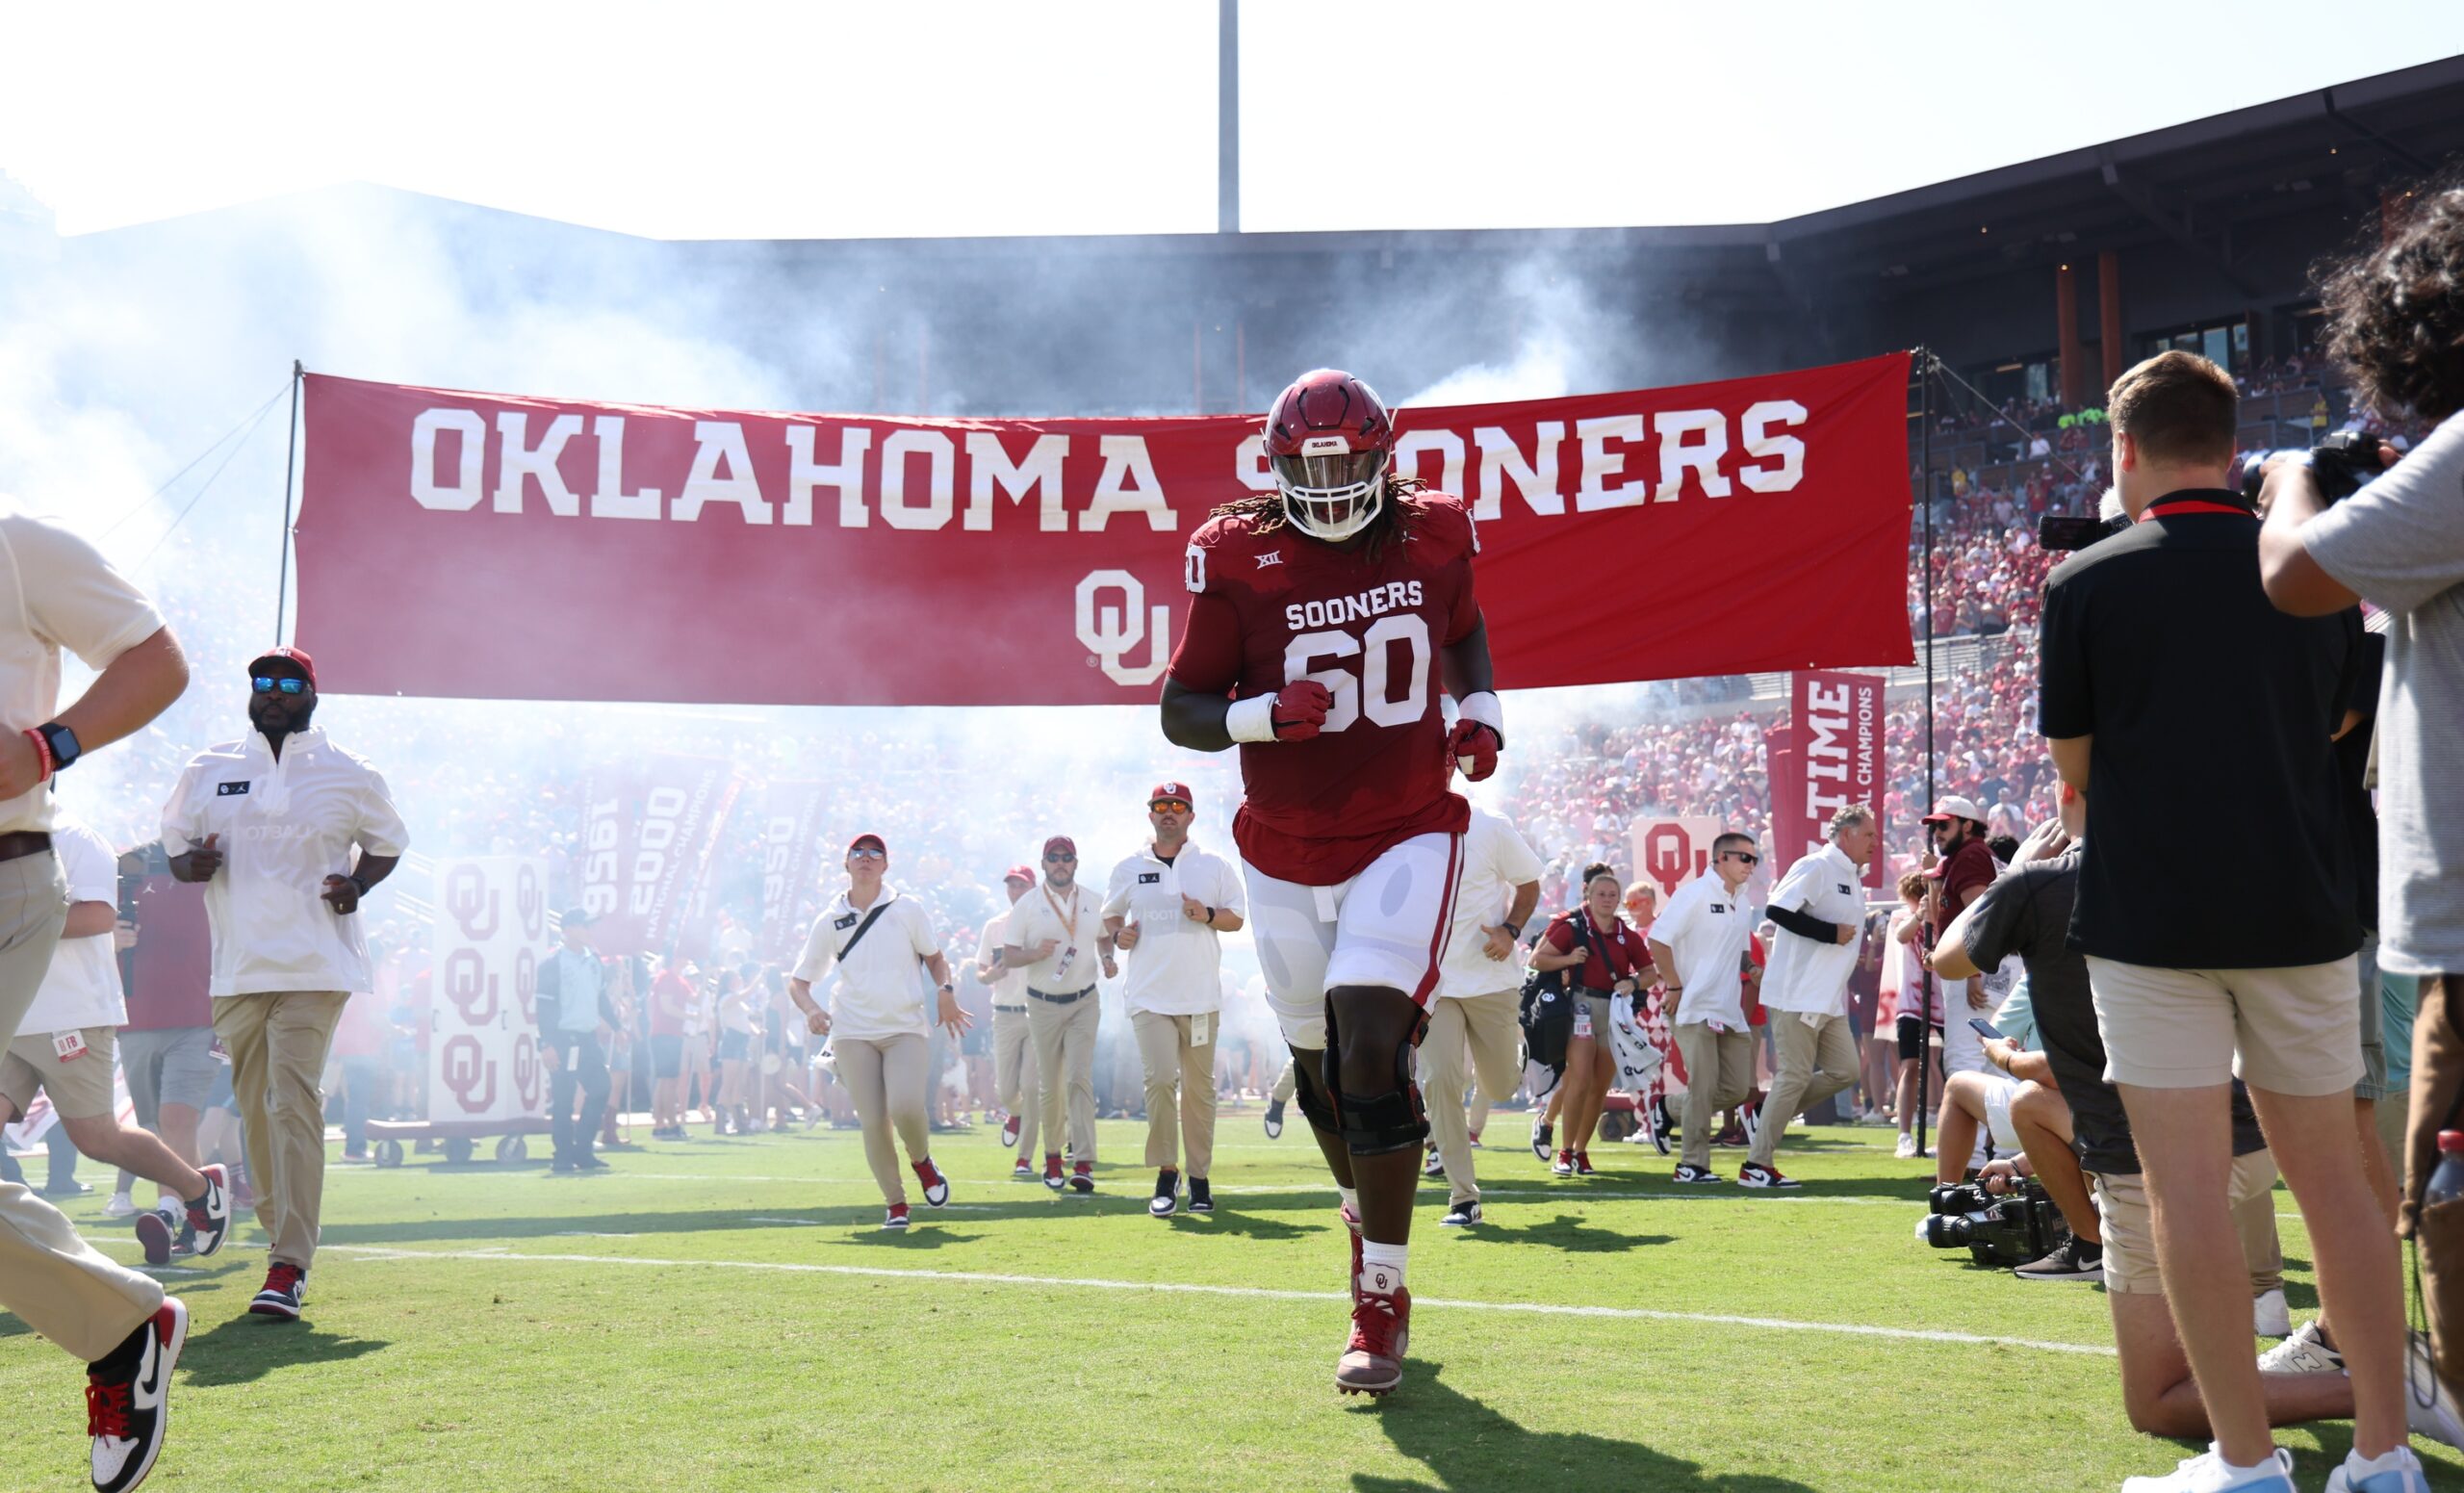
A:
x: 1374, y: 682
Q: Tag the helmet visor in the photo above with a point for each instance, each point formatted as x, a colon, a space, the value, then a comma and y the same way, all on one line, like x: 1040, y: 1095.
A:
x: 1337, y: 472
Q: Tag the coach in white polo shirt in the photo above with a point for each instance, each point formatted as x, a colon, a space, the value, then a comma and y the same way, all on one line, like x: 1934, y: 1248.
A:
x: 1056, y: 937
x: 1479, y: 996
x: 1168, y: 905
x: 1014, y: 1051
x: 881, y: 1017
x: 1819, y: 909
x: 270, y: 823
x: 1699, y: 944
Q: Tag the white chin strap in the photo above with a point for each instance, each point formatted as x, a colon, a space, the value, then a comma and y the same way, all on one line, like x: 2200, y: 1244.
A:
x: 1297, y: 501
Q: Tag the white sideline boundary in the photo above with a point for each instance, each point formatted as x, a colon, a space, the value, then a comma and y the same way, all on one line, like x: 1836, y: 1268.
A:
x: 1134, y: 1189
x: 1250, y: 1292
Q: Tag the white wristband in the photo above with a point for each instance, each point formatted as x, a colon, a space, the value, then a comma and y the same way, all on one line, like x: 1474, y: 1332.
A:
x: 1484, y: 707
x: 1251, y: 719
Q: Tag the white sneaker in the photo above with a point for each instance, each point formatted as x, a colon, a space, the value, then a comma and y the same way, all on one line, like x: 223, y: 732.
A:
x: 1907, y: 1145
x: 121, y: 1206
x: 2397, y: 1471
x: 2441, y: 1419
x: 2270, y: 1316
x: 2303, y: 1352
x: 2209, y: 1473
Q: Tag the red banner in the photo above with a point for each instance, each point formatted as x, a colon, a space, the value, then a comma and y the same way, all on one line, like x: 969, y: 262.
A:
x: 499, y: 546
x: 1831, y: 755
x: 648, y: 833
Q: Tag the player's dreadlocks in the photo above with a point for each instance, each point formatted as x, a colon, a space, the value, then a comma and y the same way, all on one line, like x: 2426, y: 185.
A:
x: 1391, y: 525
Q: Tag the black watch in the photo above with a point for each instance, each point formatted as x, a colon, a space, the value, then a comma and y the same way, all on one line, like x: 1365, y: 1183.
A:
x: 1513, y: 930
x: 355, y: 880
x: 64, y: 745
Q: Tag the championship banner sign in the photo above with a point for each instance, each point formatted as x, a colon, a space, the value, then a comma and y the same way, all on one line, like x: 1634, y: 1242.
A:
x: 791, y: 867
x: 551, y: 549
x: 490, y: 933
x: 649, y: 829
x: 1834, y: 757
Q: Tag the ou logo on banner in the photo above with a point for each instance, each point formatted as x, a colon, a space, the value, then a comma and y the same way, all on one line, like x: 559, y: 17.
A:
x: 1674, y: 851
x: 1112, y: 632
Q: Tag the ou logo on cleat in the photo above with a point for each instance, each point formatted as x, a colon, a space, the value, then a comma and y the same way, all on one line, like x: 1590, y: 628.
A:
x: 1113, y: 632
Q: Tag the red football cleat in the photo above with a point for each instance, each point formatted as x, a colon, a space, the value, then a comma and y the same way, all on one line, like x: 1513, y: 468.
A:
x: 1381, y: 1327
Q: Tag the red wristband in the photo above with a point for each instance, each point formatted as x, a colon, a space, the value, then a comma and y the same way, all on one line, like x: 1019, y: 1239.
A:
x: 42, y: 753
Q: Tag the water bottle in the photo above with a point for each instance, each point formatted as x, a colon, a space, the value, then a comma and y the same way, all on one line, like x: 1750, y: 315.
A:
x: 2447, y: 1183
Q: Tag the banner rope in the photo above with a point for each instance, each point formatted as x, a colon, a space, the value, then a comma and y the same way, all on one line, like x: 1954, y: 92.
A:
x: 262, y: 412
x: 257, y: 414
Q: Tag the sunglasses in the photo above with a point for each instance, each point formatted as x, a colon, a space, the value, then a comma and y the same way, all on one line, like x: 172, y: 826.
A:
x: 868, y: 853
x: 264, y: 685
x: 1173, y: 806
x: 1746, y: 856
x: 1053, y: 859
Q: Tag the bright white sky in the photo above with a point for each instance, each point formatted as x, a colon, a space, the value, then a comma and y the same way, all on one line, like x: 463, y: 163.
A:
x: 795, y: 120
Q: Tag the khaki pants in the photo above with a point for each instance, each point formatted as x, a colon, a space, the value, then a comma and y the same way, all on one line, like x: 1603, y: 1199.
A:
x: 61, y: 1286
x: 1719, y: 1073
x: 2129, y: 1230
x: 1474, y: 1035
x: 1180, y: 1088
x: 278, y: 1042
x: 1065, y: 1066
x: 1815, y: 1063
x: 888, y: 1080
x: 1013, y: 1075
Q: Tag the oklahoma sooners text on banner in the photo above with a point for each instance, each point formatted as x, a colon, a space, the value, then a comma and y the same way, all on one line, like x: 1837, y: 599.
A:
x: 538, y: 549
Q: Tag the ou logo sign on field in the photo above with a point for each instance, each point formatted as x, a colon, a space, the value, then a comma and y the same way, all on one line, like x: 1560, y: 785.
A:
x: 1672, y: 851
x: 1111, y: 634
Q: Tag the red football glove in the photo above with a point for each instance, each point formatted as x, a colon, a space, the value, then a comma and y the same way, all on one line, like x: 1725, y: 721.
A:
x: 1300, y: 708
x: 1474, y: 746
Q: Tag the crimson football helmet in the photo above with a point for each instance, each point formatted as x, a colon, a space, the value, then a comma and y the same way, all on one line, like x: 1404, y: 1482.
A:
x: 1331, y: 445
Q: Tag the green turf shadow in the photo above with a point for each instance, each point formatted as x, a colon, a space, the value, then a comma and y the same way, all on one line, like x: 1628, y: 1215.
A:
x: 1469, y: 1447
x: 246, y: 1349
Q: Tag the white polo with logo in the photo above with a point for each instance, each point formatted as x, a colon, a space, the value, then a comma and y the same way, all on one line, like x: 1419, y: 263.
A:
x: 1708, y: 928
x: 1176, y: 969
x: 880, y: 992
x: 284, y: 824
x: 1495, y: 860
x: 1009, y: 987
x: 1803, y: 975
x: 1072, y: 920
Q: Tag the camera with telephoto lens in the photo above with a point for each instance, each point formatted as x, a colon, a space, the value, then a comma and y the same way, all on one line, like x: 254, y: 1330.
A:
x: 2007, y: 1229
x: 2059, y: 533
x: 2339, y: 463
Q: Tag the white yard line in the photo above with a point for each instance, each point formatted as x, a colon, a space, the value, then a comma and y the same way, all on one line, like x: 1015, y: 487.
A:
x: 1435, y: 1198
x: 1255, y: 1293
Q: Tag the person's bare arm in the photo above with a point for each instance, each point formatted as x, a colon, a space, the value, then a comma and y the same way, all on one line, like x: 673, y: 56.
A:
x: 2070, y: 758
x: 1951, y: 960
x: 87, y: 920
x: 136, y: 688
x: 1665, y: 964
x: 2295, y: 581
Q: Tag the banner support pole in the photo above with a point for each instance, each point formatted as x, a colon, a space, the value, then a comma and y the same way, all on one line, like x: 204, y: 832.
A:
x: 1925, y: 496
x: 290, y: 471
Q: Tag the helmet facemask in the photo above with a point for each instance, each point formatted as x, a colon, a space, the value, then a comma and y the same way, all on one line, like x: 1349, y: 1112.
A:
x: 1331, y: 492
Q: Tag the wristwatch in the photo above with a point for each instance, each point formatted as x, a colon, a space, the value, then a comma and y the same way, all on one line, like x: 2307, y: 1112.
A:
x: 948, y: 988
x: 64, y: 745
x: 1513, y: 930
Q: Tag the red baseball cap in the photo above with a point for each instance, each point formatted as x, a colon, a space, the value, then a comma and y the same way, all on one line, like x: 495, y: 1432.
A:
x: 1020, y: 873
x: 1061, y: 842
x: 1163, y: 790
x: 869, y: 838
x: 292, y: 656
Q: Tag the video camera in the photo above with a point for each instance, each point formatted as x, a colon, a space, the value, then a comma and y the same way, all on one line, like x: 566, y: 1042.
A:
x: 2341, y: 463
x: 2007, y: 1229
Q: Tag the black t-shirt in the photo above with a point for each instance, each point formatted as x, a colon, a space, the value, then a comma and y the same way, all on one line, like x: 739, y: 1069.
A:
x: 2352, y: 770
x: 2027, y: 913
x: 2217, y: 833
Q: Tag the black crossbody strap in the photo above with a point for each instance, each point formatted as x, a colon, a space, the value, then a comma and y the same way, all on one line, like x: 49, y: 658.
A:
x: 862, y: 929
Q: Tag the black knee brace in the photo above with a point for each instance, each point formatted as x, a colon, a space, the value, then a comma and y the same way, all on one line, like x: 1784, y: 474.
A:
x: 1309, y: 1092
x: 1371, y: 1124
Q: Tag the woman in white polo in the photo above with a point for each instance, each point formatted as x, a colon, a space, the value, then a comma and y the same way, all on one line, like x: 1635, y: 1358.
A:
x: 881, y: 1017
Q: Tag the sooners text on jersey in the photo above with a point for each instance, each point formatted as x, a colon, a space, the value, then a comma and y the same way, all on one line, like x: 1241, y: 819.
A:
x: 1271, y: 608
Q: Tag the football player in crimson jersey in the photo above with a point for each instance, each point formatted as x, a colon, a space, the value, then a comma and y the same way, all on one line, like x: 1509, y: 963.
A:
x: 1325, y: 619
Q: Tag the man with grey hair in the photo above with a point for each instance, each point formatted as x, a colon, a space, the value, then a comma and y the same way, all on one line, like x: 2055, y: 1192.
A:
x: 1819, y: 909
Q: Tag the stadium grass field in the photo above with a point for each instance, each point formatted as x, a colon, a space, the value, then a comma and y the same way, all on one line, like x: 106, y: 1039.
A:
x: 727, y: 1315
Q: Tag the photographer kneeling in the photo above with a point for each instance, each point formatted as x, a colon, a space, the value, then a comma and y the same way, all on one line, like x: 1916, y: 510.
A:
x: 2027, y: 912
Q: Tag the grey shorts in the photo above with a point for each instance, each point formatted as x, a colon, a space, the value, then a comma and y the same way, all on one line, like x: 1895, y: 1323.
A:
x: 172, y: 1065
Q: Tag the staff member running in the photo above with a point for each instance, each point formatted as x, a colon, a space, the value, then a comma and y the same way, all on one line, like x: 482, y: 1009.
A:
x: 1013, y: 1051
x: 1049, y: 939
x: 1819, y: 908
x: 1603, y: 959
x: 1168, y: 905
x: 1699, y: 945
x: 270, y: 823
x: 1480, y: 993
x: 56, y: 592
x: 880, y: 1022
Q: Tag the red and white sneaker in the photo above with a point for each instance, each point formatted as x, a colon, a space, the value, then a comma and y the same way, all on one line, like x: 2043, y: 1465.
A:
x: 897, y: 1215
x: 1009, y: 1132
x: 128, y: 1397
x: 1381, y: 1325
x: 280, y: 1298
x: 936, y: 1187
x: 1023, y: 1171
x: 1564, y: 1164
x: 1082, y: 1176
x: 1052, y: 1177
x: 210, y: 1216
x: 1582, y: 1164
x: 154, y: 1233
